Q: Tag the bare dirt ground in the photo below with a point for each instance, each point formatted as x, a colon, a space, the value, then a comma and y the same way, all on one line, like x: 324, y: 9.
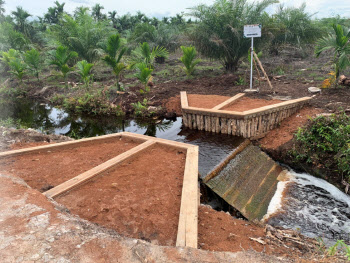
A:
x: 33, y: 229
x: 285, y: 132
x: 50, y: 168
x: 139, y: 198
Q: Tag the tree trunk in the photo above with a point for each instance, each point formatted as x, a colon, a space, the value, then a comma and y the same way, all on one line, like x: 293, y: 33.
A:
x: 231, y: 66
x: 160, y: 60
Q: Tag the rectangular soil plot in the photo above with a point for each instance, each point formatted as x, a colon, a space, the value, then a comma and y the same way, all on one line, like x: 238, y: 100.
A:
x: 48, y: 168
x: 139, y: 198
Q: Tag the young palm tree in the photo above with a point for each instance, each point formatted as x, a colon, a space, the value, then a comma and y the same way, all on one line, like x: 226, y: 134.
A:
x: 84, y: 70
x: 17, y: 68
x: 144, y: 54
x: 20, y: 16
x: 339, y: 44
x: 60, y: 58
x: 115, y: 50
x: 143, y: 74
x: 189, y: 59
x: 33, y: 60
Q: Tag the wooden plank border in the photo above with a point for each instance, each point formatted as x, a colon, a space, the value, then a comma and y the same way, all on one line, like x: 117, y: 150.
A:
x: 60, y: 145
x: 253, y: 123
x: 97, y: 170
x: 188, y: 218
x: 229, y: 101
x: 187, y: 234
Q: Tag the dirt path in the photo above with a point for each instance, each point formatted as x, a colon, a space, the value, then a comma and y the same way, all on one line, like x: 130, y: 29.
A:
x: 33, y: 230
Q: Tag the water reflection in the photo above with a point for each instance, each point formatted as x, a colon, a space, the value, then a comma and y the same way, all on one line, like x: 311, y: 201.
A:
x: 213, y: 148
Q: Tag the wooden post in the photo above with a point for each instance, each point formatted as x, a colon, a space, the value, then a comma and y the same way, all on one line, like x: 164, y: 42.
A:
x: 262, y: 69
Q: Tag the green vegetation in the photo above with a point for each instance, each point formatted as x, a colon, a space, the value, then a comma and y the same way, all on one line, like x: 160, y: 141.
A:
x: 326, y: 143
x: 189, y: 59
x: 115, y: 51
x: 339, y: 248
x: 34, y: 62
x: 140, y: 108
x: 144, y: 76
x: 60, y: 58
x: 132, y: 46
x: 144, y: 54
x: 219, y: 32
x: 84, y: 70
x: 338, y: 43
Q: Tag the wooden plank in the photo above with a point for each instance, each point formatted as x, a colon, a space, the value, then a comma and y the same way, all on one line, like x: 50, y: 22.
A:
x: 262, y: 69
x: 86, y: 176
x: 187, y: 234
x: 158, y: 140
x: 229, y: 101
x: 184, y: 100
x: 58, y: 145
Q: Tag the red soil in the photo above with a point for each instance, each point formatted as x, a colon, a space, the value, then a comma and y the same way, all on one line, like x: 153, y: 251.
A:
x: 285, y: 132
x: 245, y: 104
x: 139, y: 198
x: 218, y: 231
x: 205, y: 101
x: 173, y: 105
x: 210, y: 101
x: 51, y: 167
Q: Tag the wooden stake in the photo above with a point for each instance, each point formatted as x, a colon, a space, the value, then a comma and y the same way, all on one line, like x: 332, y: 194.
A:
x: 262, y: 69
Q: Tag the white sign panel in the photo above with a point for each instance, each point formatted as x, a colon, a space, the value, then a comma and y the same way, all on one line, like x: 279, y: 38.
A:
x: 252, y: 31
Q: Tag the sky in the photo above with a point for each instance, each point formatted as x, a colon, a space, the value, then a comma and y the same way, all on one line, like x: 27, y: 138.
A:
x: 160, y: 8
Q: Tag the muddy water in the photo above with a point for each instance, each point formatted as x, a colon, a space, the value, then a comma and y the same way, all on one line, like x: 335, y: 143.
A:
x: 312, y: 206
x: 45, y: 118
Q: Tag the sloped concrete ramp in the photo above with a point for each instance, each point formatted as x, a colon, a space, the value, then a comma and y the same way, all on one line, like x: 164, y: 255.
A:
x: 247, y: 182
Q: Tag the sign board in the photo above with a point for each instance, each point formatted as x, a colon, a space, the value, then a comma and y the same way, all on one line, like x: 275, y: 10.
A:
x: 252, y: 31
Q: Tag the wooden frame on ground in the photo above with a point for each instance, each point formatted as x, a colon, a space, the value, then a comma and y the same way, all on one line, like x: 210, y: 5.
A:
x: 248, y: 124
x: 187, y: 234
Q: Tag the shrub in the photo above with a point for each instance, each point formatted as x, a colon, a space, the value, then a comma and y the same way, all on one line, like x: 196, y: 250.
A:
x: 140, y: 108
x: 189, y: 59
x: 326, y: 142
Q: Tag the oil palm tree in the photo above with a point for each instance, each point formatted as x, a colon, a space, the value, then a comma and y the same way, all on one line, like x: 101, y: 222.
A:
x: 112, y: 16
x: 339, y: 44
x: 218, y: 32
x: 115, y: 50
x: 82, y: 35
x: 20, y: 16
x: 96, y: 12
x: 144, y: 54
x: 60, y: 58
